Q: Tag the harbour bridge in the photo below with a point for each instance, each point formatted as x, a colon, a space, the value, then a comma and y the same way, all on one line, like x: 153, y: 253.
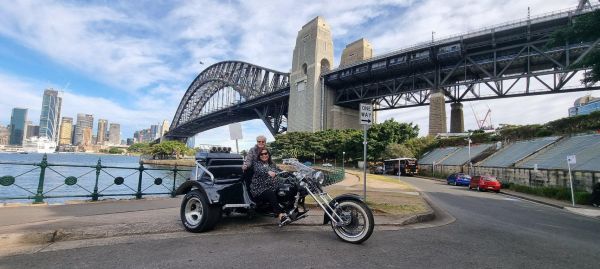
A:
x: 508, y: 60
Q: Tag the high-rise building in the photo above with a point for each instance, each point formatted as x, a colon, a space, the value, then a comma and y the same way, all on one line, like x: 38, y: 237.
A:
x: 4, y: 135
x: 114, y: 134
x: 50, y: 116
x: 31, y: 130
x: 83, y: 121
x: 154, y: 131
x: 66, y: 131
x: 101, y: 135
x: 164, y: 127
x: 86, y: 136
x: 17, y: 126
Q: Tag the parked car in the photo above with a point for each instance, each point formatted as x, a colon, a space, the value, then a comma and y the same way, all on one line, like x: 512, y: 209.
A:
x: 459, y: 179
x: 485, y: 183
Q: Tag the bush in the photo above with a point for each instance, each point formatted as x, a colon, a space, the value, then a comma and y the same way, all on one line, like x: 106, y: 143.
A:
x: 581, y: 197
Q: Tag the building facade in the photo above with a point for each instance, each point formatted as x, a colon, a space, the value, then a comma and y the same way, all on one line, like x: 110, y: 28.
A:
x: 32, y: 130
x: 114, y: 134
x: 4, y: 135
x: 66, y: 131
x: 50, y: 116
x: 101, y: 135
x: 17, y: 126
x: 584, y: 106
x: 83, y: 121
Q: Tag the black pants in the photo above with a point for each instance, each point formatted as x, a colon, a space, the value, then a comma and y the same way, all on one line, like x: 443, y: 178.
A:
x: 271, y: 197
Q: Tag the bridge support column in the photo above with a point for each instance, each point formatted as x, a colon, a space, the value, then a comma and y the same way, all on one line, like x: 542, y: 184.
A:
x: 457, y: 120
x: 437, y: 113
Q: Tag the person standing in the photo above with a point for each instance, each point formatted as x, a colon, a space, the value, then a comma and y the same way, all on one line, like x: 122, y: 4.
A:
x: 261, y: 143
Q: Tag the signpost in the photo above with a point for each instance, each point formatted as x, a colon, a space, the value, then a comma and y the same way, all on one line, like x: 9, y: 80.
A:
x: 571, y: 159
x: 366, y: 119
x: 235, y: 133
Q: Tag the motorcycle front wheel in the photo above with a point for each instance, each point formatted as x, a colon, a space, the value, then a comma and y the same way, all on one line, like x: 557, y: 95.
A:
x: 357, y: 221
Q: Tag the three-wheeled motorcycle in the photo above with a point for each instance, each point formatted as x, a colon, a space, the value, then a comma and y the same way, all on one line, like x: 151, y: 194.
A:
x: 218, y: 186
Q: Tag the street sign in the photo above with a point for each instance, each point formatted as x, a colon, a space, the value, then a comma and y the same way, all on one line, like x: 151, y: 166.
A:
x: 366, y: 113
x: 571, y: 159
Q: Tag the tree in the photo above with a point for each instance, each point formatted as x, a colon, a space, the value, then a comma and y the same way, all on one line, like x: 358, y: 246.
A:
x: 389, y: 132
x: 585, y: 28
x: 115, y: 150
x: 394, y: 150
x: 170, y: 148
x: 142, y: 148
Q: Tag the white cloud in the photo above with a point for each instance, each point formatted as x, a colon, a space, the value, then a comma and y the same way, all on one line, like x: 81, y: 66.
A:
x: 151, y: 53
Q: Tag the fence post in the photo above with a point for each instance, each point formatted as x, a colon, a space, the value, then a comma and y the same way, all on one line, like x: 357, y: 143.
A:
x: 98, y: 169
x: 174, y: 180
x: 39, y: 196
x: 138, y: 195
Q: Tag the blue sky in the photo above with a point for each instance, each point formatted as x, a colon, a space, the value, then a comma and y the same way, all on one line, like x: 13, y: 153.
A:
x: 130, y: 62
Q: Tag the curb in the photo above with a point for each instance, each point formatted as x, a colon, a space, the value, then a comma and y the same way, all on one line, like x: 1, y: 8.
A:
x: 532, y: 200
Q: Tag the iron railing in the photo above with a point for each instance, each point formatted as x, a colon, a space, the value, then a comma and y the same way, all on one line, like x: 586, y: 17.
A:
x: 109, y: 181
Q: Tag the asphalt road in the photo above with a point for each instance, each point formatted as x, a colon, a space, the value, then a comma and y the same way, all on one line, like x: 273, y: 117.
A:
x: 490, y: 231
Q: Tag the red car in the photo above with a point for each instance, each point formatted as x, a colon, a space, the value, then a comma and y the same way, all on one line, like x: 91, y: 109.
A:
x: 484, y: 183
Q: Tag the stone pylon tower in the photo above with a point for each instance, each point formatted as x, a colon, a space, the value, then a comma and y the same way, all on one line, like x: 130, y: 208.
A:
x: 457, y: 120
x: 313, y: 54
x: 437, y: 113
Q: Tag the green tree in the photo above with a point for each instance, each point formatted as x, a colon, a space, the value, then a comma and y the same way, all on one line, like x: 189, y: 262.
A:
x: 388, y: 132
x: 115, y: 150
x: 585, y: 28
x: 170, y: 148
x: 394, y: 150
x: 141, y: 148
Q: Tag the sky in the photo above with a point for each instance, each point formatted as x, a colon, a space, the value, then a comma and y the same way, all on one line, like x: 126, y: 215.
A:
x: 130, y: 62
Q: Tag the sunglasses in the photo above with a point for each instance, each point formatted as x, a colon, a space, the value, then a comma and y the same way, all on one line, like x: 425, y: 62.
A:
x: 261, y: 141
x: 264, y: 153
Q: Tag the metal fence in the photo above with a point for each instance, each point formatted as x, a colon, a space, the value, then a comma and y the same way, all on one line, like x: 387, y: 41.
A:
x: 86, y: 181
x: 332, y: 175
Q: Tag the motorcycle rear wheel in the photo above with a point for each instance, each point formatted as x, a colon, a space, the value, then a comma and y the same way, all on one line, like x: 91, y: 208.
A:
x: 358, y: 221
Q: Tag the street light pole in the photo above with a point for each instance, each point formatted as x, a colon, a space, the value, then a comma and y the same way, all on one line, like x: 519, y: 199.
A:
x: 343, y: 160
x: 470, y: 164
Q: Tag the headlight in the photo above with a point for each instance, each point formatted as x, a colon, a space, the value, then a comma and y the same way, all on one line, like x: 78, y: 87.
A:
x: 320, y: 177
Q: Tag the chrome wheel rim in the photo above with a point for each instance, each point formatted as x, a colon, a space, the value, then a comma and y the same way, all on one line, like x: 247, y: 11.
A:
x: 354, y: 220
x: 193, y: 211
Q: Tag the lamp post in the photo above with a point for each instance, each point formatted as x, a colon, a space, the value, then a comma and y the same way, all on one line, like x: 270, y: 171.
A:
x: 343, y: 160
x: 314, y: 158
x: 470, y: 164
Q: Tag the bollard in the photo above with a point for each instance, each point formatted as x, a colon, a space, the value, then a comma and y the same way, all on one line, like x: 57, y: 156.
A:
x: 39, y: 196
x: 98, y: 169
x: 138, y: 194
x: 174, y: 180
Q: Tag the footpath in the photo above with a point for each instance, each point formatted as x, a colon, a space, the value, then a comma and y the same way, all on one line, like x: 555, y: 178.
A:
x: 394, y: 204
x: 584, y: 210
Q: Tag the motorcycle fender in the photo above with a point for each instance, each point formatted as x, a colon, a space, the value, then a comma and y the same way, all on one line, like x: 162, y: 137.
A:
x: 340, y: 198
x: 213, y: 196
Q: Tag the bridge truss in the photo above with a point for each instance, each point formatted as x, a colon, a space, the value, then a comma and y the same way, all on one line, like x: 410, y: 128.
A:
x: 229, y: 92
x: 506, y: 61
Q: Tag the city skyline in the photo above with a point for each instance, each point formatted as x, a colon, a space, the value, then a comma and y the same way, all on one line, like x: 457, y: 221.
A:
x: 133, y: 62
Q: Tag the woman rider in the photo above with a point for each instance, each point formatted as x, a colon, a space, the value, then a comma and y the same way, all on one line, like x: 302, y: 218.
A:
x: 264, y: 183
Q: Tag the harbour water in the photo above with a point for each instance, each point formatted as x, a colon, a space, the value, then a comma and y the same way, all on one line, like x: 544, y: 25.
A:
x: 27, y: 177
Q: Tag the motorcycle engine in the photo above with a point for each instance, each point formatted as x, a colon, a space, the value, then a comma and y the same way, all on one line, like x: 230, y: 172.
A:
x: 286, y: 193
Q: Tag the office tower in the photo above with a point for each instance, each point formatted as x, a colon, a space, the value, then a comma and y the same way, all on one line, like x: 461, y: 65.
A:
x: 83, y: 121
x: 114, y: 134
x: 86, y: 136
x: 154, y: 131
x: 50, y: 116
x: 31, y: 130
x: 164, y: 127
x: 66, y: 131
x: 101, y: 135
x: 4, y: 135
x: 17, y: 126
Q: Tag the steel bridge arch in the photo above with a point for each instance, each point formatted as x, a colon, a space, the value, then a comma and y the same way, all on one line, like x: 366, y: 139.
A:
x: 250, y: 81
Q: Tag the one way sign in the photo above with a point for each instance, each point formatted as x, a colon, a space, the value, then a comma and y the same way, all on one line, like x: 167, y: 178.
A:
x: 366, y: 113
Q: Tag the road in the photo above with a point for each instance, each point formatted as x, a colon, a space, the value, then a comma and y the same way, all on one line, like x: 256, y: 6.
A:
x: 490, y: 231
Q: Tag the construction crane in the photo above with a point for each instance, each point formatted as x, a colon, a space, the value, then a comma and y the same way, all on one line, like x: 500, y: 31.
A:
x: 485, y: 123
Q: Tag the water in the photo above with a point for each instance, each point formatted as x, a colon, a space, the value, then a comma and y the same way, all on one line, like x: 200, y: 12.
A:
x: 27, y: 177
